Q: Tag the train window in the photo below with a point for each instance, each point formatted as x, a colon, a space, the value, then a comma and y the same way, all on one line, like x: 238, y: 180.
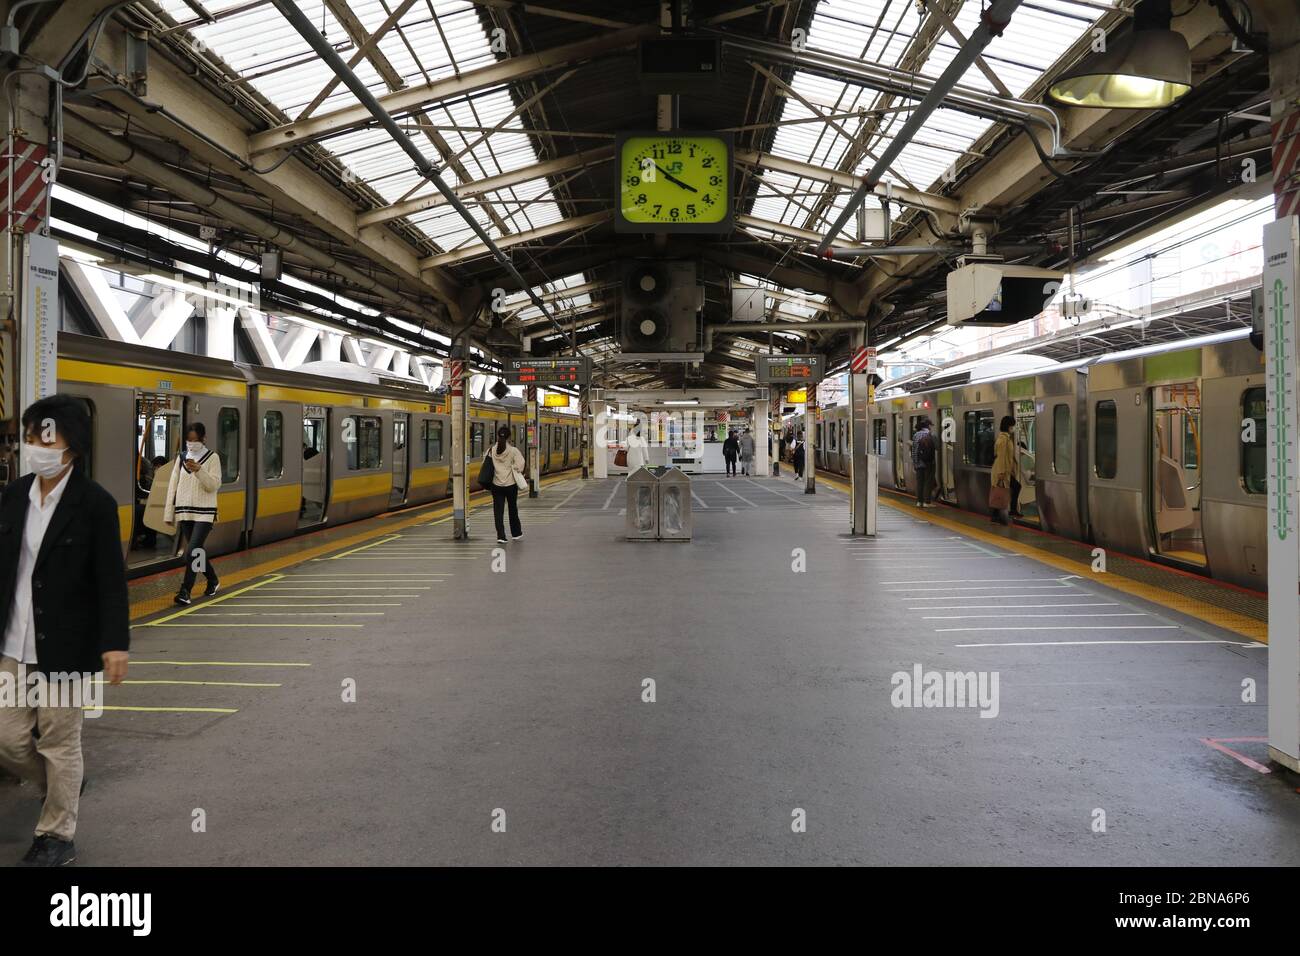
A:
x: 431, y: 438
x: 1106, y: 428
x: 879, y: 437
x: 363, y: 440
x: 556, y: 437
x: 1254, y: 466
x: 978, y: 448
x: 1062, y: 440
x: 273, y: 445
x: 228, y: 443
x: 476, y: 440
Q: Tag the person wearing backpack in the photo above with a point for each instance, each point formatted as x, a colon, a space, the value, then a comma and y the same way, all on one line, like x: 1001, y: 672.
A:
x: 505, y: 464
x: 923, y: 462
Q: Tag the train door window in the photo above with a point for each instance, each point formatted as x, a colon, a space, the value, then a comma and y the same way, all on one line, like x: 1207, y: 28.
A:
x: 900, y: 463
x: 228, y: 443
x: 1254, y: 466
x: 273, y: 445
x: 556, y: 438
x: 977, y: 449
x: 476, y: 440
x: 1062, y: 440
x: 946, y: 446
x: 879, y: 436
x: 1175, y: 494
x: 431, y: 438
x: 158, y: 438
x: 315, y: 437
x: 835, y: 436
x: 1106, y: 442
x: 1026, y: 439
x: 362, y: 436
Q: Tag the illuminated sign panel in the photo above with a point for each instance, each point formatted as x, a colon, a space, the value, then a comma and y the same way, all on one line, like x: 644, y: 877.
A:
x: 794, y: 369
x: 552, y: 371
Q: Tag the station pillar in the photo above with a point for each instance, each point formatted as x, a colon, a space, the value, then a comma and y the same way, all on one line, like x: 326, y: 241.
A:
x: 599, y: 439
x: 459, y: 449
x: 534, y: 428
x: 863, y: 464
x: 1281, y: 285
x: 761, y: 433
x: 809, y: 443
x: 774, y: 405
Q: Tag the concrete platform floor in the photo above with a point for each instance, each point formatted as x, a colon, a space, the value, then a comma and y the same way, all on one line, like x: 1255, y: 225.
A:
x: 509, y: 683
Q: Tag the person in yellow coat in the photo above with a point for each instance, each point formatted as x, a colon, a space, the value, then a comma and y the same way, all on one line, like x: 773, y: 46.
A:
x: 1005, y: 471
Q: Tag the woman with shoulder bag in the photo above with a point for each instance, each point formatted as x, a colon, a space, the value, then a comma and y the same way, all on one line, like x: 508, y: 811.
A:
x: 191, y: 504
x: 507, y: 481
x: 1003, y: 473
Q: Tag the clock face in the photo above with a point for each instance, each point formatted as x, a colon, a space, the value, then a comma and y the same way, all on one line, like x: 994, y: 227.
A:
x: 670, y: 180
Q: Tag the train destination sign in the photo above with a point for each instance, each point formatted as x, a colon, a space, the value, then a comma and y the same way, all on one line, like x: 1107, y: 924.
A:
x: 789, y: 368
x: 565, y: 370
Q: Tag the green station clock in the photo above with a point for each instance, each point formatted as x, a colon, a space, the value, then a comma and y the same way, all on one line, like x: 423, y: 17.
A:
x: 674, y: 181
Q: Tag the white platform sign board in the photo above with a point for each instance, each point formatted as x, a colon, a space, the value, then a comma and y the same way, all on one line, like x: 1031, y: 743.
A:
x: 39, y: 359
x: 1281, y: 279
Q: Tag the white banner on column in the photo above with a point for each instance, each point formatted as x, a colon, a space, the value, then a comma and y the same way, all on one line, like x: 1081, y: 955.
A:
x: 40, y: 319
x: 1281, y: 275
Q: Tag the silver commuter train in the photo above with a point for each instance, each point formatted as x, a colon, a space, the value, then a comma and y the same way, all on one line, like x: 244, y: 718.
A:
x: 1147, y: 452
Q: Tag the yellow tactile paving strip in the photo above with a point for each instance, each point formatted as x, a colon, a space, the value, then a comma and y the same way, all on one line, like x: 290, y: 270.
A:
x: 1200, y: 610
x: 424, y: 514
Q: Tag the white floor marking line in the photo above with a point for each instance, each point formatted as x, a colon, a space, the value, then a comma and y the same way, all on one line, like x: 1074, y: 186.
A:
x: 698, y: 499
x: 612, y: 493
x: 1068, y: 627
x: 314, y: 604
x: 985, y: 587
x: 566, y: 500
x: 731, y: 510
x: 773, y: 491
x: 373, y: 544
x: 1025, y: 617
x: 1005, y: 607
x: 979, y: 581
x: 987, y: 597
x: 288, y: 614
x: 622, y: 511
x: 1078, y: 643
x: 740, y: 496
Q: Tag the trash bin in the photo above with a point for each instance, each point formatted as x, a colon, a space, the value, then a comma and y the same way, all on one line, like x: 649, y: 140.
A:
x: 642, y: 522
x: 674, y: 506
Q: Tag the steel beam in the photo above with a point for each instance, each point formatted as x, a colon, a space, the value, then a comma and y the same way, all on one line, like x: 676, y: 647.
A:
x: 822, y: 174
x: 541, y: 232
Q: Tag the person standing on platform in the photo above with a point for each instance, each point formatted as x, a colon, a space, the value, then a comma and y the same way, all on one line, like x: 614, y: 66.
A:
x: 923, y: 462
x: 65, y: 613
x: 636, y: 449
x: 192, y: 507
x: 1004, y: 470
x: 798, y: 458
x: 746, y: 453
x: 730, y: 452
x: 507, y: 476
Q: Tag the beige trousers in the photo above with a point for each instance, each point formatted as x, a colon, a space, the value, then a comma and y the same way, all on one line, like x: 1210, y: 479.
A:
x: 52, y: 762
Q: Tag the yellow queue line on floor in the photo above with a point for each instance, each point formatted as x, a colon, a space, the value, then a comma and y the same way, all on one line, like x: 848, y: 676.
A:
x: 199, y: 683
x: 1207, y: 613
x: 421, y: 516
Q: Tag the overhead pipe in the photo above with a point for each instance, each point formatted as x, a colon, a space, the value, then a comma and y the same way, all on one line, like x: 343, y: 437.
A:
x: 127, y: 154
x: 992, y: 22
x: 299, y: 21
x: 725, y: 327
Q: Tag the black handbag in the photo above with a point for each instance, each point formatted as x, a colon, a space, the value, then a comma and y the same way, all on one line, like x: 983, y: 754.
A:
x: 486, y: 472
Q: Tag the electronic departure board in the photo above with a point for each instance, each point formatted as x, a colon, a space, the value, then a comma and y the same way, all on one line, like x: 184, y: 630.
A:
x: 789, y: 368
x: 569, y: 370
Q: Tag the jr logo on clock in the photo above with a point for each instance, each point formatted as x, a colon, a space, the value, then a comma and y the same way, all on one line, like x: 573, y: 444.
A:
x: 674, y: 181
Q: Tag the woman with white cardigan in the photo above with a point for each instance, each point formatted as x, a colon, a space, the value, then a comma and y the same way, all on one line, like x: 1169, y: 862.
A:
x: 191, y: 505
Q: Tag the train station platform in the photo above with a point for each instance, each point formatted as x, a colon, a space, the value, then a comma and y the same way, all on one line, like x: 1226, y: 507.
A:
x: 761, y: 694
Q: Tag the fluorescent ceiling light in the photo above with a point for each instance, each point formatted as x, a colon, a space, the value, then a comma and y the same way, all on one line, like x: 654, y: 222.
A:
x: 683, y: 401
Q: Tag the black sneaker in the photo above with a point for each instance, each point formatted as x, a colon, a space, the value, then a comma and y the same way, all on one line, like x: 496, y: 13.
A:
x: 519, y: 536
x: 182, y: 597
x: 501, y: 540
x: 212, y: 588
x: 48, y: 850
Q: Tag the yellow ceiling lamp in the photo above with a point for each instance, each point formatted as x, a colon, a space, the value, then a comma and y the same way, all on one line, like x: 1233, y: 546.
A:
x: 1149, y: 69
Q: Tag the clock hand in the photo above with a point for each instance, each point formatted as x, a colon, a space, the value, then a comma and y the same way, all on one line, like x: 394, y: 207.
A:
x: 673, y: 179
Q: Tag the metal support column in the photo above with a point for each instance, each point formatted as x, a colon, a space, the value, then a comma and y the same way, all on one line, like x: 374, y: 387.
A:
x: 862, y: 503
x: 459, y: 496
x: 809, y: 443
x: 534, y: 443
x: 599, y: 439
x: 761, y: 435
x: 584, y: 429
x: 774, y: 405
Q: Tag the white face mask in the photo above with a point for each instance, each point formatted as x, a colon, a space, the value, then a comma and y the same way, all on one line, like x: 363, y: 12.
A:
x: 45, y: 462
x: 195, y: 447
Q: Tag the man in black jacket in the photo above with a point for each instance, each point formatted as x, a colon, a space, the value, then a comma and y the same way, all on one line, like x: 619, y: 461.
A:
x: 64, y: 612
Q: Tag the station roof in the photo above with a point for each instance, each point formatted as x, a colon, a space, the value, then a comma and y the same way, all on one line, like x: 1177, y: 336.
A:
x: 518, y: 106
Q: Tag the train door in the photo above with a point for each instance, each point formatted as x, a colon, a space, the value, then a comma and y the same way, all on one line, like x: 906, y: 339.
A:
x: 159, y: 433
x: 946, y: 449
x: 315, y: 465
x: 1026, y: 457
x: 401, y: 468
x: 900, y: 452
x: 1175, y: 473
